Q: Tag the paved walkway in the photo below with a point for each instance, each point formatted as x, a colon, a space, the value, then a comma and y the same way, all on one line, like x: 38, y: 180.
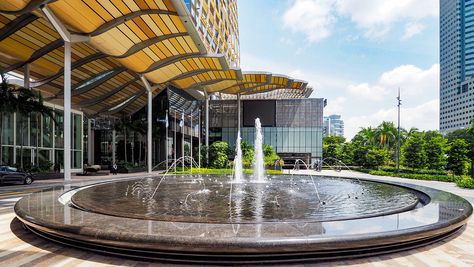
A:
x: 19, y: 247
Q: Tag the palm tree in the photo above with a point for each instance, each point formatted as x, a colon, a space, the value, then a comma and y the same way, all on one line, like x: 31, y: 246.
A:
x: 386, y: 133
x: 7, y: 105
x: 368, y: 134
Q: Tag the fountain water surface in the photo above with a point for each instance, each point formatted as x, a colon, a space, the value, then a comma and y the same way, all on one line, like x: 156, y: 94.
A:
x: 259, y: 164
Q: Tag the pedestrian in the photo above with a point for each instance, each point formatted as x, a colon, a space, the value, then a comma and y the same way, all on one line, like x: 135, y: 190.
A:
x: 114, y: 169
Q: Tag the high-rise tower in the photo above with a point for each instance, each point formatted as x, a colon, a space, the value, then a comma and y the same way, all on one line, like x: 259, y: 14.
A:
x: 217, y: 25
x: 457, y: 64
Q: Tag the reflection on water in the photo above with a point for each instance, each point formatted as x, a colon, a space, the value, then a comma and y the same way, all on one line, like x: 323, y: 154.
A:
x: 209, y: 199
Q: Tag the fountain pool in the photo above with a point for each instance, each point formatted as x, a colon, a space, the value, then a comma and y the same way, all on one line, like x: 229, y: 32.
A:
x: 209, y: 219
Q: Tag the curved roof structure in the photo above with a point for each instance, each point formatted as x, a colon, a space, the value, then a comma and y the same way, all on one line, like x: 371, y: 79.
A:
x: 124, y: 39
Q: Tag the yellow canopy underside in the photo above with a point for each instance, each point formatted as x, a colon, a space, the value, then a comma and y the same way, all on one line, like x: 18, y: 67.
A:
x: 128, y: 38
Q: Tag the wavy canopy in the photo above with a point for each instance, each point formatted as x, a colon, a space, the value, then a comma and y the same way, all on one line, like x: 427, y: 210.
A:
x: 127, y: 38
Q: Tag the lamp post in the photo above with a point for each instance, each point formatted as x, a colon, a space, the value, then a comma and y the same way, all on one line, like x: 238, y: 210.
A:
x: 398, y: 153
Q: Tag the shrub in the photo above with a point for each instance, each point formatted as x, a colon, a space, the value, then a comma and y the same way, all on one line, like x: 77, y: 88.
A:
x: 458, y: 160
x: 428, y: 177
x: 465, y: 182
x: 218, y: 154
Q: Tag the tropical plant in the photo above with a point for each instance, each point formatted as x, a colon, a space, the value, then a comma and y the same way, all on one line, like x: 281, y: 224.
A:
x: 413, y: 153
x: 368, y: 135
x: 332, y: 149
x: 218, y: 154
x: 270, y: 155
x: 386, y: 133
x: 457, y: 157
x: 247, y: 153
x: 435, y: 150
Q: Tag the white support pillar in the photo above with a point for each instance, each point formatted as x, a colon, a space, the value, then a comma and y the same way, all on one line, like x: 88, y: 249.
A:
x: 114, y: 146
x: 238, y: 113
x: 90, y: 144
x: 68, y: 40
x: 207, y: 125
x: 182, y: 142
x: 149, y: 133
x: 174, y: 141
x: 166, y: 139
x: 199, y: 138
x: 67, y: 111
x: 191, y: 141
x: 149, y: 120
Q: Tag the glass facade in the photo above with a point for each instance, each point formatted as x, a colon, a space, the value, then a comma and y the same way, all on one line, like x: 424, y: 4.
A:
x: 297, y: 124
x: 36, y: 140
x: 456, y: 64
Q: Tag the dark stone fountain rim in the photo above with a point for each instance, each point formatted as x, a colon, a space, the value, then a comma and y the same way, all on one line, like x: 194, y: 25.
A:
x: 423, y: 199
x: 244, y: 243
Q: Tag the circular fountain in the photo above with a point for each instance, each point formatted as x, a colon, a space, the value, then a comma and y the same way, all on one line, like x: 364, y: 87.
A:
x: 238, y: 219
x: 210, y: 219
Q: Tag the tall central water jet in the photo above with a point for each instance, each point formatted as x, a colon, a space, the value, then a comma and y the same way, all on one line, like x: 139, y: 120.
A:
x: 259, y: 165
x: 238, y: 170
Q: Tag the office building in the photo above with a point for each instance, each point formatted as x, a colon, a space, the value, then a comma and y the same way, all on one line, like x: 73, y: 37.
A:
x: 456, y: 64
x: 333, y: 125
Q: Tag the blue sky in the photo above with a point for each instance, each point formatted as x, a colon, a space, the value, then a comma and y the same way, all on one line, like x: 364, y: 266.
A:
x: 355, y: 53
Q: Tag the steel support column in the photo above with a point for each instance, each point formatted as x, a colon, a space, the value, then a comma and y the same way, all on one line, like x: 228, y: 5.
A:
x: 114, y: 148
x: 174, y: 141
x: 149, y: 122
x: 191, y: 146
x: 90, y: 145
x: 149, y: 132
x: 207, y: 125
x: 166, y: 138
x: 238, y: 113
x: 68, y: 39
x: 199, y: 138
x: 67, y: 111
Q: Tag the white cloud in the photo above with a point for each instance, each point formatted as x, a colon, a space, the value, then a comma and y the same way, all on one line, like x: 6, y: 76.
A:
x: 424, y: 117
x: 314, y: 18
x: 335, y: 106
x: 376, y: 17
x: 412, y: 29
x: 367, y: 92
x: 413, y: 81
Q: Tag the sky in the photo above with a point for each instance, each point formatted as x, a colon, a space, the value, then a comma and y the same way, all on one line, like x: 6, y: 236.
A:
x: 354, y: 53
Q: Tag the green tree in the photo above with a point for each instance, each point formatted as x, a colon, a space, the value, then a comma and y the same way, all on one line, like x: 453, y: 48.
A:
x: 219, y: 154
x: 347, y: 154
x: 368, y: 156
x: 468, y: 136
x: 435, y: 149
x: 386, y: 133
x: 269, y: 154
x: 375, y: 157
x: 367, y: 135
x: 413, y: 152
x: 457, y: 157
x: 332, y: 148
x: 247, y: 153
